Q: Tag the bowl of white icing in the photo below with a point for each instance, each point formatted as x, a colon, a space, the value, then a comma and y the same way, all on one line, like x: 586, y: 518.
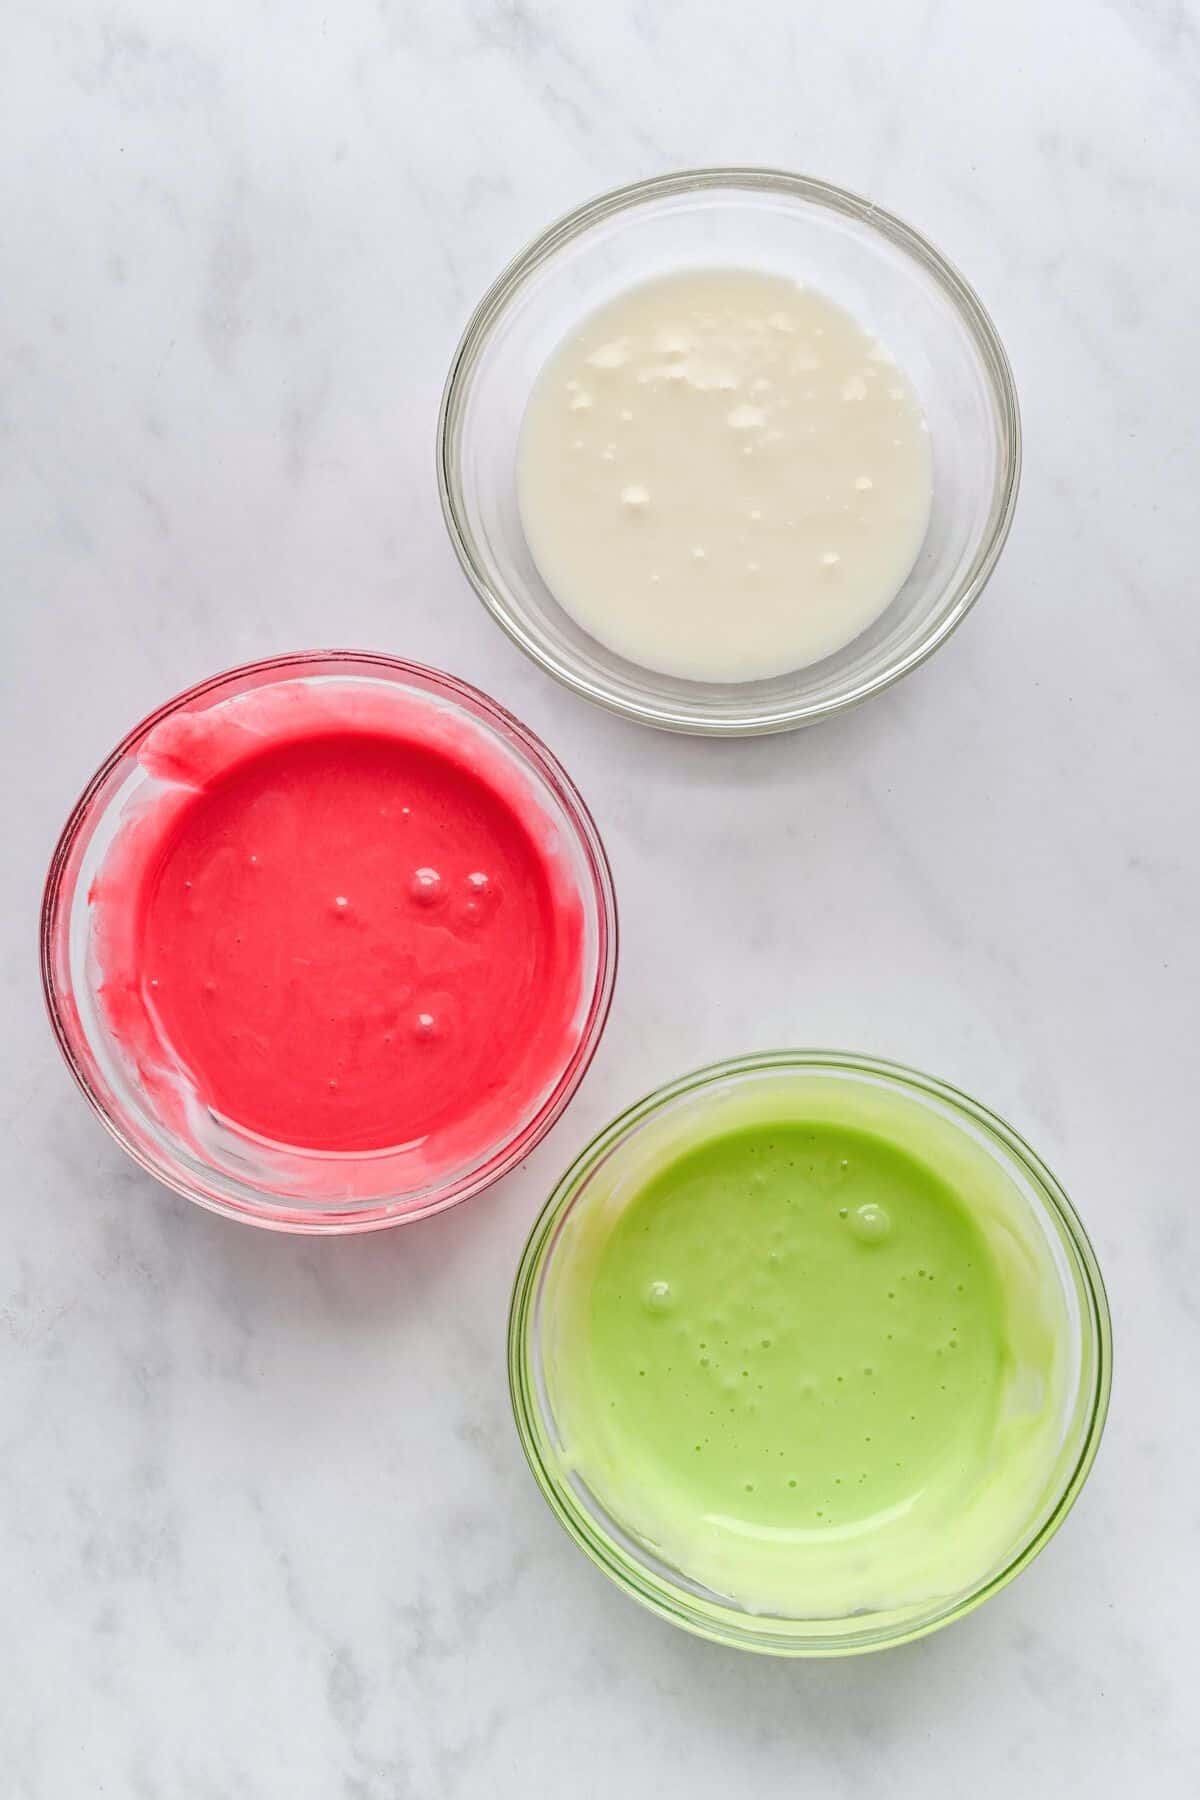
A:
x: 729, y: 451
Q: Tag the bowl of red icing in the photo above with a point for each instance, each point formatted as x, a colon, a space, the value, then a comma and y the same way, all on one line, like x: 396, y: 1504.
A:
x: 329, y: 941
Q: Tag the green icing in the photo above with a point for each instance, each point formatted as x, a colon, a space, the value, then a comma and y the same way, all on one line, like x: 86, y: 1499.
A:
x: 796, y: 1362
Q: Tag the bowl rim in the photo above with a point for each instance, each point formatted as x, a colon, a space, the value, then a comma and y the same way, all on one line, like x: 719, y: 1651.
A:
x: 711, y: 1619
x: 752, y: 178
x: 332, y: 1220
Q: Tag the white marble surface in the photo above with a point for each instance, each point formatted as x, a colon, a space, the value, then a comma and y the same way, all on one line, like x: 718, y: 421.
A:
x: 265, y: 1527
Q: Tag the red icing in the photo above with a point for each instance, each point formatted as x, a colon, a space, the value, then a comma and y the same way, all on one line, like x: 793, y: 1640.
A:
x: 343, y: 922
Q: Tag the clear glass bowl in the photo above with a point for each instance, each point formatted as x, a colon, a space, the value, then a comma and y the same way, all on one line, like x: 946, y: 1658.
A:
x: 881, y: 271
x: 607, y: 1172
x: 285, y: 1188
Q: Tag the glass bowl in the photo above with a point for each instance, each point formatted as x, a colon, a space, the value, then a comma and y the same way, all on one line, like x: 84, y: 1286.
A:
x: 282, y: 1187
x: 882, y: 272
x: 598, y: 1185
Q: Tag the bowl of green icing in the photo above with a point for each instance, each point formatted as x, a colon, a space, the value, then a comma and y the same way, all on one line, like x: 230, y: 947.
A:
x: 809, y: 1352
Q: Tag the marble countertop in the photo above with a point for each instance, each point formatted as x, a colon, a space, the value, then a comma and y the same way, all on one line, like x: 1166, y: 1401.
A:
x: 265, y: 1526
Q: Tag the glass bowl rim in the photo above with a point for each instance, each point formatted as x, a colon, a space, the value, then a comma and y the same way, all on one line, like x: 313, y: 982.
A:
x: 782, y: 715
x: 330, y: 1220
x: 715, y: 1621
